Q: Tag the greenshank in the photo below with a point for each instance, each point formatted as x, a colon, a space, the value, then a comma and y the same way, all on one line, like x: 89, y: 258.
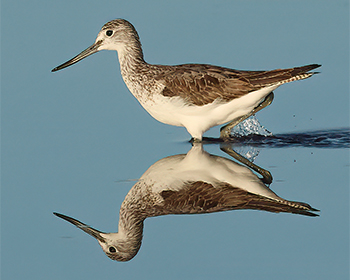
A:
x: 194, y: 96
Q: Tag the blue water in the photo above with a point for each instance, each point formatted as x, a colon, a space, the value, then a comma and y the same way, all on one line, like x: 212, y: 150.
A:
x: 76, y: 141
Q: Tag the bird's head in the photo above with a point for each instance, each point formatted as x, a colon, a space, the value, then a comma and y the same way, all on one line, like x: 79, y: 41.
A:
x: 117, y: 35
x: 115, y: 245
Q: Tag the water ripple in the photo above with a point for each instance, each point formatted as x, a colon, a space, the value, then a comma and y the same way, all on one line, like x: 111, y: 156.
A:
x: 331, y: 138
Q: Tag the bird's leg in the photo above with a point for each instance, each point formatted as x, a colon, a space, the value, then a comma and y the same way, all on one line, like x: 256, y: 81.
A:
x: 266, y: 175
x: 195, y: 140
x: 225, y: 131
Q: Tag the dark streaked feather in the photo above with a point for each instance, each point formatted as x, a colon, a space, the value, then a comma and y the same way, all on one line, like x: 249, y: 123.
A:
x: 201, y: 197
x: 201, y: 84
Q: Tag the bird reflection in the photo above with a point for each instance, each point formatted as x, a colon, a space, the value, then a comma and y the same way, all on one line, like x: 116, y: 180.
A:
x: 192, y: 183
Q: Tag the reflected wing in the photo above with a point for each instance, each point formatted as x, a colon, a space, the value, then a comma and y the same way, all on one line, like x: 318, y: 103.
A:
x: 202, y: 84
x: 201, y: 197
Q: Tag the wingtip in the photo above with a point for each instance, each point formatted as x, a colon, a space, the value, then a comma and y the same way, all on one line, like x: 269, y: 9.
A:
x: 313, y: 66
x: 307, y: 69
x: 311, y: 212
x: 317, y: 66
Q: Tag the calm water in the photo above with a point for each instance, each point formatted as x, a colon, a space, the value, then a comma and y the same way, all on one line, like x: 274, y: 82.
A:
x: 76, y: 142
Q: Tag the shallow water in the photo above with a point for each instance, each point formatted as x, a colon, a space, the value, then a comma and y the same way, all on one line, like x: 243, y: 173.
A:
x: 76, y: 142
x: 233, y: 240
x: 90, y: 183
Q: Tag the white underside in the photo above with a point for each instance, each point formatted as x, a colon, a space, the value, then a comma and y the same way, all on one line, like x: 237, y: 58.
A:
x: 198, y: 119
x: 172, y: 172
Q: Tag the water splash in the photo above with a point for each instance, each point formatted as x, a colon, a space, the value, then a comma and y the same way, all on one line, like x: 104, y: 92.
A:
x: 250, y: 126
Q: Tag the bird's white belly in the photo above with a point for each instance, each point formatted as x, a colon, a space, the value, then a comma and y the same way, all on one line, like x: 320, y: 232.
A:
x: 172, y: 173
x: 198, y: 119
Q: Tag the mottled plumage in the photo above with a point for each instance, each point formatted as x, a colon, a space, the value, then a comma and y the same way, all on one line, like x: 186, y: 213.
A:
x: 201, y: 84
x: 201, y: 197
x: 195, y: 96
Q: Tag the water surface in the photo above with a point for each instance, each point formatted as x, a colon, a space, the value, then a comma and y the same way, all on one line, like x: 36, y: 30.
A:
x: 75, y: 142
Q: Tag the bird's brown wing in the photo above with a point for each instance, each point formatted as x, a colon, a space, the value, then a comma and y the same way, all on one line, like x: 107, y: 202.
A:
x: 200, y: 84
x: 201, y: 197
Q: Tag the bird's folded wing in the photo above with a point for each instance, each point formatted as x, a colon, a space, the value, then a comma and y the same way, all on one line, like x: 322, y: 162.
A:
x: 201, y: 84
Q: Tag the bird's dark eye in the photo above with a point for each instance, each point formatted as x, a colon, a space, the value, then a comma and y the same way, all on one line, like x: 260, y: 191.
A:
x: 112, y: 249
x: 109, y: 32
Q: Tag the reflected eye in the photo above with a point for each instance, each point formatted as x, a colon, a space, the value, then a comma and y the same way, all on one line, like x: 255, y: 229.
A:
x: 112, y: 250
x: 109, y: 32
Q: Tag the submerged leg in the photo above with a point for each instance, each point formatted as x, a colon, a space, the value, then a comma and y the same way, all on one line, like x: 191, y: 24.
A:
x: 225, y: 131
x: 266, y: 175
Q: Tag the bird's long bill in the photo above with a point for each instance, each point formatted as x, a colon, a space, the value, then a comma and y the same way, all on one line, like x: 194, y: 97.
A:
x: 89, y: 230
x: 85, y: 53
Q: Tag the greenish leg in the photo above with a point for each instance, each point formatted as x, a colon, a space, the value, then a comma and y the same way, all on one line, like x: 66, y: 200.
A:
x: 225, y: 131
x: 266, y: 175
